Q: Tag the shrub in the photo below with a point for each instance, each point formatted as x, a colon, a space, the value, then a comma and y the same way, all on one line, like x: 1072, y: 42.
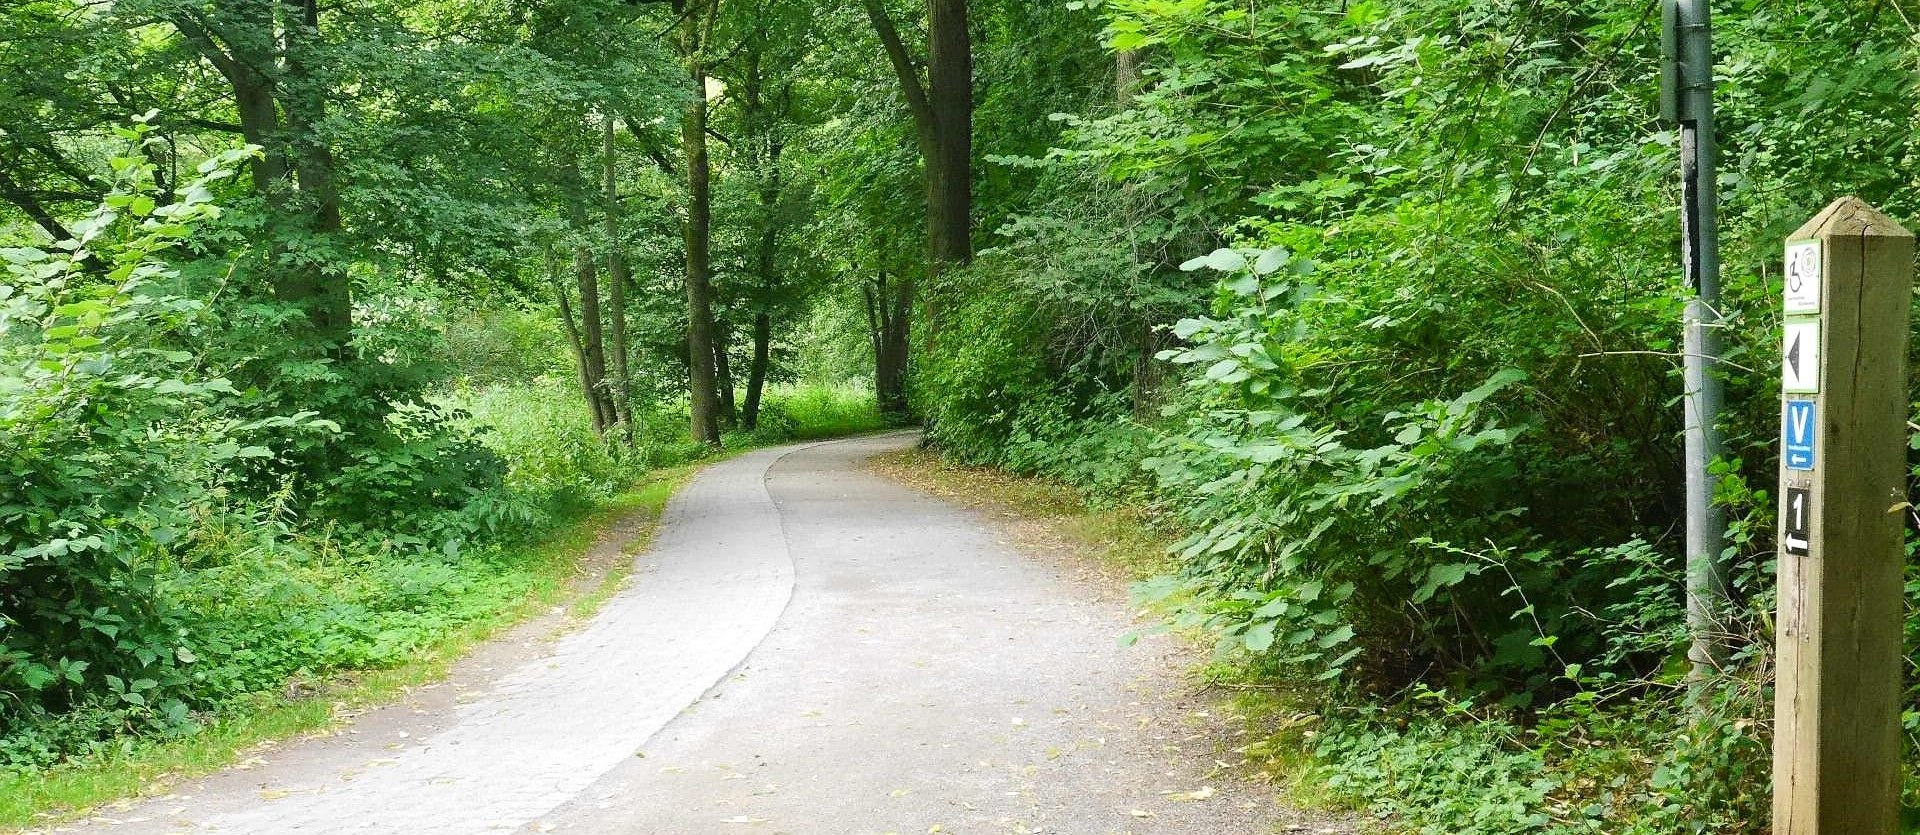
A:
x: 108, y: 447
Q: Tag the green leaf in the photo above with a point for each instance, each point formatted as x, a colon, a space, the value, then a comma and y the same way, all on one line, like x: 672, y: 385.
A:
x: 1338, y: 636
x: 1440, y: 577
x: 1271, y: 260
x: 1226, y: 260
x: 1259, y: 637
x: 37, y: 676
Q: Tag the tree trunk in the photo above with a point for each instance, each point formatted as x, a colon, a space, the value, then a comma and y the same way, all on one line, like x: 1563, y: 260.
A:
x: 889, y: 318
x: 593, y: 351
x: 729, y: 416
x: 767, y: 251
x: 323, y: 290
x: 693, y: 139
x: 926, y: 132
x: 889, y: 359
x: 13, y: 192
x: 617, y: 277
x: 620, y: 385
x: 270, y: 74
x: 942, y: 112
x: 246, y: 63
x: 950, y: 96
x: 593, y: 338
x: 572, y: 329
x: 757, y: 373
x: 1126, y: 76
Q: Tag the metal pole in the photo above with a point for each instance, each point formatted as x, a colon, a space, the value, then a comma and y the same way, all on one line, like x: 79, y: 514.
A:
x: 1688, y: 99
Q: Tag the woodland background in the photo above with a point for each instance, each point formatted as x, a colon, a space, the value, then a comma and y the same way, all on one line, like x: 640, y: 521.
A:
x: 317, y: 314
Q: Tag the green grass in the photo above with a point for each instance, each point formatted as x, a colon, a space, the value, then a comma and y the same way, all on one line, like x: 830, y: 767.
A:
x: 575, y: 479
x: 800, y: 413
x: 63, y: 792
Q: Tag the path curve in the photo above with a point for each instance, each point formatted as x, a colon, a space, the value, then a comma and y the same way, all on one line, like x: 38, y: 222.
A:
x: 809, y: 649
x: 709, y: 590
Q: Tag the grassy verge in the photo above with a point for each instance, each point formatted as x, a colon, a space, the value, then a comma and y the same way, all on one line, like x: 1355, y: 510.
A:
x: 1129, y: 543
x: 549, y: 573
x: 1122, y: 538
x: 1422, y: 762
x: 554, y: 563
x: 574, y: 482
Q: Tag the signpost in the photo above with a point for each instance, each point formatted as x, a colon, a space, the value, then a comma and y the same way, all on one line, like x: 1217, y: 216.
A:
x: 1836, y: 758
x: 1686, y: 100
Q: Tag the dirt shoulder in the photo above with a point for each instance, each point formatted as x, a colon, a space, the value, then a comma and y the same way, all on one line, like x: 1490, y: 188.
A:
x: 1108, y: 550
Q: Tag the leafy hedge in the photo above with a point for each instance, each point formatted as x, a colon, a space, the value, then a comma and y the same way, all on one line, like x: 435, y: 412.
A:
x: 1420, y: 436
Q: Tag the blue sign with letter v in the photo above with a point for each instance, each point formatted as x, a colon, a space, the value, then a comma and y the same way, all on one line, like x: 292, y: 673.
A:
x: 1800, y: 430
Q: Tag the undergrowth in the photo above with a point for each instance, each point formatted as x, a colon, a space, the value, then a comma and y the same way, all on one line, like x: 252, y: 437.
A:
x: 289, y: 624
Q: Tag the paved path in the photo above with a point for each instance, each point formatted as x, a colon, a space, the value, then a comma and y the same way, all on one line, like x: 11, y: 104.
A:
x: 808, y: 649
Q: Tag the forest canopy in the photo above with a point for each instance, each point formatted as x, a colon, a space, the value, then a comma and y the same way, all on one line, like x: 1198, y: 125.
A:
x: 314, y: 313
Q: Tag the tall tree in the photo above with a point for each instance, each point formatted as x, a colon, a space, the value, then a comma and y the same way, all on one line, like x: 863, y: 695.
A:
x: 761, y: 117
x: 618, y: 276
x: 696, y: 19
x: 592, y: 328
x: 773, y: 40
x: 270, y: 56
x: 941, y: 108
x: 950, y: 100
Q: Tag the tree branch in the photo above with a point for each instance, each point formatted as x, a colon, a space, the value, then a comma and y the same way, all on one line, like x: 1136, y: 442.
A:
x: 904, y: 66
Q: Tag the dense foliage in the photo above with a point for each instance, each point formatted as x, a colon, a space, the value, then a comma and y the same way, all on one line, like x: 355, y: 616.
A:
x: 146, y: 585
x: 1376, y: 303
x: 1373, y: 303
x: 291, y: 370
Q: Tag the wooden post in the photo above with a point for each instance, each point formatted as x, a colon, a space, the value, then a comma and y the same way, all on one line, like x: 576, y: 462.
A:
x: 1836, y: 756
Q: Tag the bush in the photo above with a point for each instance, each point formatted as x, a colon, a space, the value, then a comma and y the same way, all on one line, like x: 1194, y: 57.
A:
x: 109, y: 448
x: 815, y: 411
x: 556, y: 463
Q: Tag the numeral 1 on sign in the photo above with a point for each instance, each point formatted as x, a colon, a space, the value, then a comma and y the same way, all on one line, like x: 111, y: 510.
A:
x: 1794, y: 536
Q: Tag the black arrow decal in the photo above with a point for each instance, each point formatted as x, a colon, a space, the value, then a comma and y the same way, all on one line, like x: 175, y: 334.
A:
x: 1793, y: 355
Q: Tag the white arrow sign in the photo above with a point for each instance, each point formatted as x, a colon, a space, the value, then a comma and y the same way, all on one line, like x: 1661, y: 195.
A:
x: 1800, y: 357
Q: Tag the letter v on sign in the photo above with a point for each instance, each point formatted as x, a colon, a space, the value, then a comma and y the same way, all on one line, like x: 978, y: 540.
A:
x: 1800, y: 357
x: 1800, y: 434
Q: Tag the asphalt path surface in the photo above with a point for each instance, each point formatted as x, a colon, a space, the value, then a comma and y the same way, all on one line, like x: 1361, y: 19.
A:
x: 808, y: 648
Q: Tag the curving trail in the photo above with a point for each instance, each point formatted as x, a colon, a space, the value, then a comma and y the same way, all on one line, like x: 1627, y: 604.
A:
x: 808, y: 649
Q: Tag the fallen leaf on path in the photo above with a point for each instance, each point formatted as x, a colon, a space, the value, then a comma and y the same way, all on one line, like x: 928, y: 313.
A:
x: 1201, y: 793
